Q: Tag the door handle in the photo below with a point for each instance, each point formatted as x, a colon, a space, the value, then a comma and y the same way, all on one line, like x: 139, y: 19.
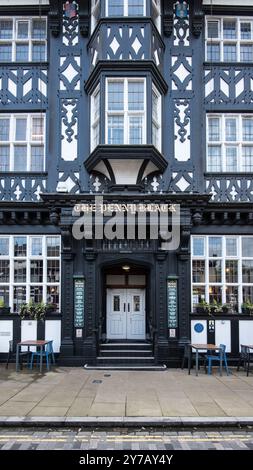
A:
x: 128, y: 307
x: 124, y: 306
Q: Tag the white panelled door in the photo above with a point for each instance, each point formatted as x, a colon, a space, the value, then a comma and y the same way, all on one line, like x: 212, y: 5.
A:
x: 126, y: 314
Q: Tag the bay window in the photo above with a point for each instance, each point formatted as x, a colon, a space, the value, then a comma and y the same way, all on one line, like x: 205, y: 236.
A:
x: 125, y: 8
x: 222, y: 270
x: 29, y: 269
x: 23, y: 39
x: 22, y: 142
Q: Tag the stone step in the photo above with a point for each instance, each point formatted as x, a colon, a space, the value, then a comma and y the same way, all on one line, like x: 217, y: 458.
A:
x: 126, y: 352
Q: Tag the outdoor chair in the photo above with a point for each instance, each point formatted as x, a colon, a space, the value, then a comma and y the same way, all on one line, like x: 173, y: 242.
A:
x: 12, y: 354
x: 210, y: 358
x: 48, y: 354
x: 186, y: 357
x: 246, y: 358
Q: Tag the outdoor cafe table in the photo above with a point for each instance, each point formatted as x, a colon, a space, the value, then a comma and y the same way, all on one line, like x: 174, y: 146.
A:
x: 199, y: 347
x: 38, y: 344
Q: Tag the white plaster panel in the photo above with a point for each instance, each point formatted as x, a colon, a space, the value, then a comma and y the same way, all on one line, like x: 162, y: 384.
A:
x: 150, y: 168
x: 223, y: 333
x: 53, y: 332
x: 125, y: 171
x: 245, y: 332
x: 28, y: 332
x: 209, y: 88
x: 199, y: 338
x: 6, y: 334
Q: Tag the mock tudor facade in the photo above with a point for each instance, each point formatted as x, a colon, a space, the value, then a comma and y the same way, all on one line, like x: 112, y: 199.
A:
x: 137, y: 102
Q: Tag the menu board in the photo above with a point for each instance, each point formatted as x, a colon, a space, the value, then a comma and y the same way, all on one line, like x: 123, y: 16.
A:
x: 79, y: 302
x: 172, y: 303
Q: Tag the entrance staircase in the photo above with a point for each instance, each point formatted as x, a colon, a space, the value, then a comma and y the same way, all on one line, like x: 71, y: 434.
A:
x: 136, y: 355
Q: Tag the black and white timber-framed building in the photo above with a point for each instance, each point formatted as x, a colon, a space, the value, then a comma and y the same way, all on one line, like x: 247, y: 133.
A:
x: 138, y: 102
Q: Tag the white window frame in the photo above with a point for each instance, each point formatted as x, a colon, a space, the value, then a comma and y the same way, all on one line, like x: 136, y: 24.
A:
x: 28, y: 258
x: 239, y: 143
x: 14, y: 41
x: 125, y: 113
x: 239, y: 258
x: 157, y: 122
x: 95, y: 118
x: 126, y: 9
x: 28, y: 142
x: 221, y: 41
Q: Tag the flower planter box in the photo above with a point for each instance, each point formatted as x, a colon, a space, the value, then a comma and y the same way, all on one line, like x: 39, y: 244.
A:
x: 5, y: 310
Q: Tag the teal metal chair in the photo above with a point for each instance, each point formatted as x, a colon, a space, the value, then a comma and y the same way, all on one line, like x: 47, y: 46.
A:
x: 210, y: 358
x: 48, y: 354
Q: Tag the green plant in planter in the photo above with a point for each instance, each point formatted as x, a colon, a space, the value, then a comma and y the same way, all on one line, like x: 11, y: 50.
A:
x: 215, y: 307
x: 226, y: 308
x: 203, y: 307
x: 3, y: 308
x: 247, y: 308
x: 32, y: 310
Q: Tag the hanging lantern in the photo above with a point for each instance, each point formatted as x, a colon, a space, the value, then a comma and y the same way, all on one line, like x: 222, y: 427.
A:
x: 181, y: 10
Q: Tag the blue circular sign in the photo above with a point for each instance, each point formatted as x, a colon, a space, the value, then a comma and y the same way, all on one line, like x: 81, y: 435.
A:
x: 199, y: 327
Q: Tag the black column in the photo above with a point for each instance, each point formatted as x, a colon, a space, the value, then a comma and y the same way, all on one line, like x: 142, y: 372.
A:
x: 184, y: 275
x: 91, y: 325
x: 161, y: 346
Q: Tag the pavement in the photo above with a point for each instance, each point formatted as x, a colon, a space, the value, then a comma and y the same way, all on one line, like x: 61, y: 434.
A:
x: 72, y: 396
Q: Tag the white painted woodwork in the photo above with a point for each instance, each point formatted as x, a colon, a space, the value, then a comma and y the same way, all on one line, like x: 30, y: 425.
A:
x: 6, y: 335
x: 53, y: 332
x: 126, y: 314
x: 223, y: 333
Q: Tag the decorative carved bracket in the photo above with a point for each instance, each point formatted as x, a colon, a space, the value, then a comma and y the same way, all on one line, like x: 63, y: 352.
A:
x: 54, y: 17
x: 197, y: 17
x: 84, y: 18
x: 66, y: 238
x: 168, y: 17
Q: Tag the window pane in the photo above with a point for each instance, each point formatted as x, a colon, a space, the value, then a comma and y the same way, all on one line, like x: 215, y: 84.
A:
x: 213, y: 29
x: 36, y: 271
x: 19, y: 246
x: 215, y: 271
x: 135, y: 130
x: 247, y: 158
x: 37, y: 128
x: 247, y: 294
x: 155, y: 135
x: 53, y: 246
x: 19, y: 297
x: 36, y: 293
x: 213, y: 52
x: 231, y: 158
x: 20, y: 158
x: 21, y: 129
x: 53, y: 270
x: 198, y: 294
x: 4, y: 246
x: 231, y: 271
x: 231, y: 246
x: 214, y: 129
x: 5, y: 52
x: 198, y: 246
x: 247, y: 247
x: 22, y: 29
x: 245, y: 31
x: 20, y: 271
x: 4, y: 294
x: 214, y: 158
x: 37, y: 158
x: 22, y: 52
x: 4, y: 158
x: 246, y: 54
x: 232, y: 296
x: 215, y: 294
x: 135, y: 7
x: 229, y: 29
x: 39, y: 29
x: 155, y: 106
x: 4, y: 129
x: 38, y: 52
x: 135, y: 96
x: 6, y: 29
x: 247, y: 129
x: 198, y: 271
x: 115, y: 130
x: 215, y: 246
x: 53, y: 295
x: 115, y: 7
x: 36, y: 246
x: 231, y: 133
x: 247, y: 271
x: 115, y: 96
x: 229, y: 53
x: 4, y: 270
